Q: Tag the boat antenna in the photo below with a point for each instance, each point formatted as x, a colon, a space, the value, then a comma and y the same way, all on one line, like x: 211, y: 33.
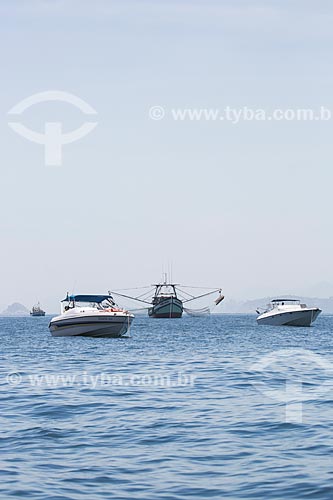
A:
x: 74, y: 286
x: 169, y: 269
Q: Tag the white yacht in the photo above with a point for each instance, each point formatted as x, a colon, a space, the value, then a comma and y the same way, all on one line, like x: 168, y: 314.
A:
x: 287, y: 312
x: 90, y: 316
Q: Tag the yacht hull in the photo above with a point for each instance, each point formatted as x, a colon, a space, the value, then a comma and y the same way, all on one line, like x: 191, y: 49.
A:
x: 112, y: 326
x: 303, y: 317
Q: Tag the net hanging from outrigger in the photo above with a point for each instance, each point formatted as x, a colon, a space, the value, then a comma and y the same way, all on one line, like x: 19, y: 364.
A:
x: 204, y: 311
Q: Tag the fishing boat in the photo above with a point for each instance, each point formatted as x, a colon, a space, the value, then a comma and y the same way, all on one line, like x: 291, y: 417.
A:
x: 90, y: 316
x: 165, y: 303
x: 169, y: 298
x: 287, y: 312
x: 37, y: 310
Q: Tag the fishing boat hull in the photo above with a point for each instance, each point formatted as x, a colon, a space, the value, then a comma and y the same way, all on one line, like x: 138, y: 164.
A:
x: 168, y: 308
x: 304, y: 317
x: 91, y: 326
x: 41, y: 313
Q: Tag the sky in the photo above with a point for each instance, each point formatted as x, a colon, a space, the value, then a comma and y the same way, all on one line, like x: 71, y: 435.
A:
x: 244, y: 206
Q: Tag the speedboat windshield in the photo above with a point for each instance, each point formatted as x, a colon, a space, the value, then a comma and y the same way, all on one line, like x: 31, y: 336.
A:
x: 284, y: 302
x: 94, y: 301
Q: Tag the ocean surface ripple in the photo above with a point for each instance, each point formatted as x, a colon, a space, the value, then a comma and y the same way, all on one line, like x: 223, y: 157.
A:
x: 175, y: 411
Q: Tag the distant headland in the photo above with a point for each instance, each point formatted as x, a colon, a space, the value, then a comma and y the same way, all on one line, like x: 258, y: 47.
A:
x: 15, y: 309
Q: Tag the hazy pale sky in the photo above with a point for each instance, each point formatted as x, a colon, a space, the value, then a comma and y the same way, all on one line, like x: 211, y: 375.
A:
x: 247, y: 207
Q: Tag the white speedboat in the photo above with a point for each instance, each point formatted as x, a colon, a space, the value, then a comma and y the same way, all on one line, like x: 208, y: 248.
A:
x: 287, y: 312
x: 90, y: 316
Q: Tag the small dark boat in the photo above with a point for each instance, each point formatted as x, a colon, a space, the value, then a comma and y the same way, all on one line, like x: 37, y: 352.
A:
x: 37, y: 311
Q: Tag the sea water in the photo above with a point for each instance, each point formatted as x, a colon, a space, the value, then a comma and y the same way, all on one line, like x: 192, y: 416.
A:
x: 209, y: 407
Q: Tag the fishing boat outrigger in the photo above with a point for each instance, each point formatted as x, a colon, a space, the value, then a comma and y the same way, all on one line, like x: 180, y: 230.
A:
x: 169, y: 298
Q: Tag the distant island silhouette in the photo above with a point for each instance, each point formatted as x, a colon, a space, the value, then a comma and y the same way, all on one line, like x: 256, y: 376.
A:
x: 15, y: 309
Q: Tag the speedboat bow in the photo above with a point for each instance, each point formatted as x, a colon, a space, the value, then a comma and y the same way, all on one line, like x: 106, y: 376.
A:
x: 90, y: 316
x: 287, y: 312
